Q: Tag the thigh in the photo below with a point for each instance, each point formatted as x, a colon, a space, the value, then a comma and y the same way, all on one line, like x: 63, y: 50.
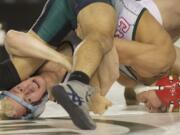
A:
x: 55, y: 21
x: 96, y: 18
x: 26, y: 66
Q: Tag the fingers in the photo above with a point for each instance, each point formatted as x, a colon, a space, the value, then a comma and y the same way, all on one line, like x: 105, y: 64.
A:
x: 99, y: 105
x: 142, y: 97
x: 151, y: 101
x: 151, y: 108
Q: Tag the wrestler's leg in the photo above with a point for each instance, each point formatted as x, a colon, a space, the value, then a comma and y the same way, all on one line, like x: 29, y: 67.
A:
x: 26, y: 66
x: 22, y: 67
x: 130, y: 96
x: 97, y: 30
x: 30, y: 45
x: 15, y: 69
x: 97, y: 24
x: 92, y: 51
x: 104, y: 77
x: 99, y: 103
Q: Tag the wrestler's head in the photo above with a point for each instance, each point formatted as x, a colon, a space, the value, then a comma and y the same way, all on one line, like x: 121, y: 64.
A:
x: 31, y: 91
x: 165, y: 96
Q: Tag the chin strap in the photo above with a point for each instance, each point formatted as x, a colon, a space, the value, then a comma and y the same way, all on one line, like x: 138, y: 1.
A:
x: 34, y: 110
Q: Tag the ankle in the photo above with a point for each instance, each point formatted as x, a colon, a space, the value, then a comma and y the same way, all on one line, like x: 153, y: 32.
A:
x: 79, y: 76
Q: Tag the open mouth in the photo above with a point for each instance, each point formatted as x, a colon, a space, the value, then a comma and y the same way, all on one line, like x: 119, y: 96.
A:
x: 36, y: 82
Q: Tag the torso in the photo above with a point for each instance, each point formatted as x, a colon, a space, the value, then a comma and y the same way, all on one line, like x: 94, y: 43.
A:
x: 170, y: 12
x: 129, y: 14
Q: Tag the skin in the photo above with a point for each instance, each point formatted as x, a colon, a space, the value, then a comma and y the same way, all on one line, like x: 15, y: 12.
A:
x: 127, y: 58
x: 24, y: 59
x: 142, y: 52
x: 169, y: 11
x: 154, y: 47
x: 30, y: 90
x: 97, y: 40
x: 136, y: 53
x: 51, y: 73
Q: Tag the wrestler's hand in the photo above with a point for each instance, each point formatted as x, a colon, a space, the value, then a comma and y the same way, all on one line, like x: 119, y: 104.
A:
x: 151, y: 101
x: 100, y: 104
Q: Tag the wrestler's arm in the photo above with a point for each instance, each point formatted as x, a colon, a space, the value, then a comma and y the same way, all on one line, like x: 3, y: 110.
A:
x: 52, y: 72
x: 31, y: 45
x: 151, y: 53
x: 176, y: 65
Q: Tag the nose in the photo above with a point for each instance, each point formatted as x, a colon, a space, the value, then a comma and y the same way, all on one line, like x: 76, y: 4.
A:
x: 30, y: 89
x: 18, y: 89
x: 20, y: 94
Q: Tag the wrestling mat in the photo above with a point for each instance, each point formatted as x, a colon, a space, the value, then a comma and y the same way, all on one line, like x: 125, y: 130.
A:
x: 118, y: 120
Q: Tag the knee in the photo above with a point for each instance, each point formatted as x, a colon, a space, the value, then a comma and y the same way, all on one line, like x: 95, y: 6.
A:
x: 11, y: 38
x: 105, y: 42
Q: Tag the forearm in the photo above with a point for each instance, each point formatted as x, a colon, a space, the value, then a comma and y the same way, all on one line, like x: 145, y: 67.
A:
x: 30, y: 45
x: 52, y: 73
x: 147, y: 59
x: 51, y: 78
x: 176, y: 66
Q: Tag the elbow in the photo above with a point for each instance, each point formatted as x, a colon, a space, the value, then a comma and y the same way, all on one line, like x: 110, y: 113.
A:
x: 168, y: 54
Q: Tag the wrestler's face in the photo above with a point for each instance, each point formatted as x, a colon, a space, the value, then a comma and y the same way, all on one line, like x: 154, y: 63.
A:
x: 30, y: 90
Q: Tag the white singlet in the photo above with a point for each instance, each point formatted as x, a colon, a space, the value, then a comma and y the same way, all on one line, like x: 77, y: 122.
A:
x: 129, y: 13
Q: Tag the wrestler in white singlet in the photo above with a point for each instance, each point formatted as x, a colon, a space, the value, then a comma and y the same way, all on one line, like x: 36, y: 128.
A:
x: 129, y: 13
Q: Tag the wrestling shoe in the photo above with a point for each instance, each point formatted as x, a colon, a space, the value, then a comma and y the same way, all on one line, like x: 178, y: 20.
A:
x: 74, y: 97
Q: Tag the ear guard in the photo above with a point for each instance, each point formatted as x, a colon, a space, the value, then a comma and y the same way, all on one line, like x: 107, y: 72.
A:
x: 169, y: 92
x: 34, y: 111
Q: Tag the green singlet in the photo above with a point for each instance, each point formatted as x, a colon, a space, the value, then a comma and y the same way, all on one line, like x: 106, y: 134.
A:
x: 58, y: 18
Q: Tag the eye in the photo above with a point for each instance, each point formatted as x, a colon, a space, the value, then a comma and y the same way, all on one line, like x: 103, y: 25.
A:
x: 21, y: 90
x: 29, y: 100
